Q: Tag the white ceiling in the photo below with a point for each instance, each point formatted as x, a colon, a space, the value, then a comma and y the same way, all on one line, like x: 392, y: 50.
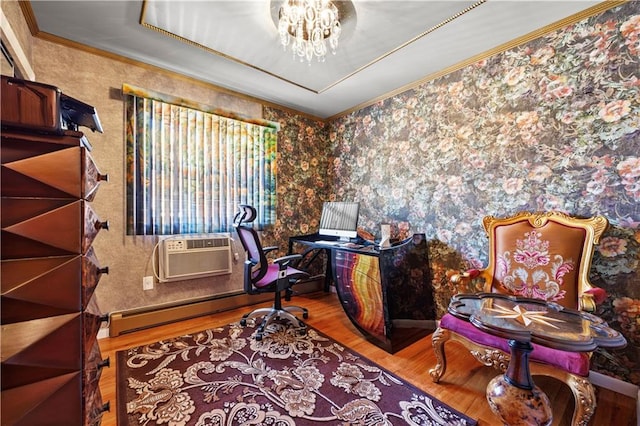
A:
x: 234, y: 44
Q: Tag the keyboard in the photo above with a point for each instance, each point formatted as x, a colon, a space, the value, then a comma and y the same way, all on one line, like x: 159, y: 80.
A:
x: 343, y: 244
x: 330, y: 243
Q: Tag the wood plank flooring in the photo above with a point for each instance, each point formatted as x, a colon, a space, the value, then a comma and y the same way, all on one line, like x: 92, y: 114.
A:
x: 462, y: 387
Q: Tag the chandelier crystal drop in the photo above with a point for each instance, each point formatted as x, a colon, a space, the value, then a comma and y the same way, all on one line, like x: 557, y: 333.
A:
x: 306, y: 24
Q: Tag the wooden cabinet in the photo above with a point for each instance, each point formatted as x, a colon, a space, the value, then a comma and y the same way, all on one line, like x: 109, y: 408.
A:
x: 51, y: 361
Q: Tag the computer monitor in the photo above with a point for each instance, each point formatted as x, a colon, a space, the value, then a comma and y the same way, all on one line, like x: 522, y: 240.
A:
x: 339, y: 219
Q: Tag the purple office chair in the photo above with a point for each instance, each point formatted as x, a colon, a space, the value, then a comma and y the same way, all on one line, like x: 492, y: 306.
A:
x: 262, y: 276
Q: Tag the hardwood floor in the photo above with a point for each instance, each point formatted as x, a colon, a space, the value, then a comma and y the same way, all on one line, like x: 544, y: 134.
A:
x: 462, y: 387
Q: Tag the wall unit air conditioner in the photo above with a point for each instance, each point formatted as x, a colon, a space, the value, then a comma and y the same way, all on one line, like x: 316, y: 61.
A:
x: 184, y: 257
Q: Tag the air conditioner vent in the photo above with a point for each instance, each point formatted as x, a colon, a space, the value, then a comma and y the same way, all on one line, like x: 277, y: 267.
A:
x: 207, y: 242
x: 183, y: 257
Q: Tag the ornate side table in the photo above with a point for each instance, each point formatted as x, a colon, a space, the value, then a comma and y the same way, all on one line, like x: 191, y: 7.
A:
x: 513, y: 396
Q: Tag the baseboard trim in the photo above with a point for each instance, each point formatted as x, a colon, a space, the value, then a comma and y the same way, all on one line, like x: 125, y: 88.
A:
x: 615, y: 385
x: 141, y: 318
x: 638, y: 408
x: 618, y: 386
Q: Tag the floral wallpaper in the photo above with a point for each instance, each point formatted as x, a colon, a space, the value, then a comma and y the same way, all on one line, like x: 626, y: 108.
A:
x: 304, y: 175
x: 551, y: 124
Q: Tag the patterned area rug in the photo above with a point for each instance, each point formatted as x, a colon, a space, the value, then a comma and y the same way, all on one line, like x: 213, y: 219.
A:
x: 222, y: 376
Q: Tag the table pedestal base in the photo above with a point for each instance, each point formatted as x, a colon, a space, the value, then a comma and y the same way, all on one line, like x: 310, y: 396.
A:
x: 515, y: 406
x: 513, y: 396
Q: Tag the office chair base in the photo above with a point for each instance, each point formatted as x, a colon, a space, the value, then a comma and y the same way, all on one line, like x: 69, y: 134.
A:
x: 271, y: 314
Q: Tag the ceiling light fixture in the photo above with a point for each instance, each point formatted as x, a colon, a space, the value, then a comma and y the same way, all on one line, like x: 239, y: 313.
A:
x: 306, y: 24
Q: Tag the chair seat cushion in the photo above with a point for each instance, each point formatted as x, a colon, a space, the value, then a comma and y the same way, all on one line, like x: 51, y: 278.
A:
x: 272, y: 275
x: 573, y: 362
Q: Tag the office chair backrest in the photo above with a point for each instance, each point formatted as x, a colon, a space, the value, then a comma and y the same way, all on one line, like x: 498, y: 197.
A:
x: 251, y: 241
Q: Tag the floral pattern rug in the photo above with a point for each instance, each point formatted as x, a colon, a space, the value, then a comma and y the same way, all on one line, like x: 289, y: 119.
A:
x: 223, y: 376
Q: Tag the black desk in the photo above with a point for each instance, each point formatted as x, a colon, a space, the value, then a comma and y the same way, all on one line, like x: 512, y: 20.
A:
x: 325, y: 244
x: 386, y: 293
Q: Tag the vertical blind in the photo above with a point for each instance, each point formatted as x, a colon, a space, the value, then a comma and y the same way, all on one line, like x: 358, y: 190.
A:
x: 188, y: 170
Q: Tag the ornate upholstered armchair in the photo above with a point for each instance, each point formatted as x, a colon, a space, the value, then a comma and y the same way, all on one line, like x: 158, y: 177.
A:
x: 539, y: 255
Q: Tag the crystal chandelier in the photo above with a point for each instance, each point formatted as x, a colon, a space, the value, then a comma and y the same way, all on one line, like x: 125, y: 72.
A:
x: 306, y: 24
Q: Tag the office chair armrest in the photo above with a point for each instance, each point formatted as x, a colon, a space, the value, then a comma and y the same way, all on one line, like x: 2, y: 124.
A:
x: 285, y: 261
x: 267, y: 250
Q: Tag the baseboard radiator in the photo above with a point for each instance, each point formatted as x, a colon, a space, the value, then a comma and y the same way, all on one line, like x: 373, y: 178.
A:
x: 142, y: 318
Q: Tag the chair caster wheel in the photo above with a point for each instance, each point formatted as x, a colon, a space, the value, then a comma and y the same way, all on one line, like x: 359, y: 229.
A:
x: 305, y: 315
x: 243, y: 322
x: 302, y: 332
x: 258, y: 337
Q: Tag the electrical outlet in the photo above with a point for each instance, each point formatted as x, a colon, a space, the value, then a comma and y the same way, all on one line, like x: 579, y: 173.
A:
x: 147, y: 283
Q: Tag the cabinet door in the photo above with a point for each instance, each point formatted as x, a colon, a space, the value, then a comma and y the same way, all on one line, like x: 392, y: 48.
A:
x: 65, y: 173
x: 40, y: 350
x: 93, y: 365
x: 53, y: 401
x: 52, y: 363
x: 358, y: 285
x: 16, y: 146
x: 35, y: 227
x: 41, y: 287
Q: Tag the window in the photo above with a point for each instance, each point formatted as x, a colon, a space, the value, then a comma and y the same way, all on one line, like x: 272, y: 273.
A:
x: 188, y: 169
